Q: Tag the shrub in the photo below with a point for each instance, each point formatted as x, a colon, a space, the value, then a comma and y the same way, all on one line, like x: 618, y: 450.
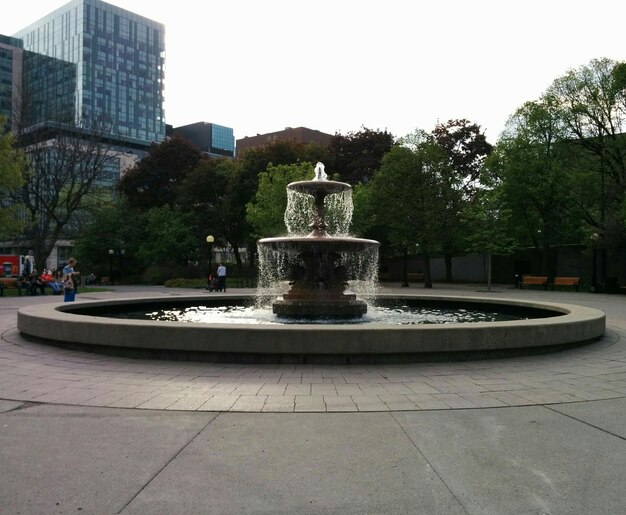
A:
x: 181, y: 282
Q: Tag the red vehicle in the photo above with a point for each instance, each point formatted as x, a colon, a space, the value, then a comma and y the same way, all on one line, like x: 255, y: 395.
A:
x: 14, y: 266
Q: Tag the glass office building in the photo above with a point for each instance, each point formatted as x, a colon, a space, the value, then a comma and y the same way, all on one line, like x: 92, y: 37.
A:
x: 210, y: 138
x: 10, y: 74
x: 116, y: 58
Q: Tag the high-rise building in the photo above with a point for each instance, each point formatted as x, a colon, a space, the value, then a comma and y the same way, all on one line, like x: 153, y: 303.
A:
x: 87, y: 66
x: 210, y: 138
x: 118, y: 58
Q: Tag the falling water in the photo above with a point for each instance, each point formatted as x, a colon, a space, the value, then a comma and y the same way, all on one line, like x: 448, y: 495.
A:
x: 318, y: 260
x: 300, y: 211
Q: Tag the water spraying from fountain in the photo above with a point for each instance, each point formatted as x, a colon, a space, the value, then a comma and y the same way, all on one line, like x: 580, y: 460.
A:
x: 318, y: 269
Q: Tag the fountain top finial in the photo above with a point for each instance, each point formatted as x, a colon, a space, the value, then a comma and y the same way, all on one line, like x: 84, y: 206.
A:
x: 320, y: 174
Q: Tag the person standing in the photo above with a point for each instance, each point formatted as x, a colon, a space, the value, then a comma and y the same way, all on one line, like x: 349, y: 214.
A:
x: 69, y: 269
x: 221, y: 278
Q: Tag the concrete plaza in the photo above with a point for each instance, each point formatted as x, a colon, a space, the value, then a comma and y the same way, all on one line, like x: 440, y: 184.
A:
x: 103, y: 434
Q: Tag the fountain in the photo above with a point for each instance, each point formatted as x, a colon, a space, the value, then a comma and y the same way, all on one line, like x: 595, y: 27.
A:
x: 312, y: 276
x: 318, y: 266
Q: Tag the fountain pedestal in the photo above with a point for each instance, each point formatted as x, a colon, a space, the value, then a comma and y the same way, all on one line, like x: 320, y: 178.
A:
x: 319, y: 289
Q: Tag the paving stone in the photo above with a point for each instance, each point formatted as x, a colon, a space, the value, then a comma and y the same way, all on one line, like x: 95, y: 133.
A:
x: 219, y: 403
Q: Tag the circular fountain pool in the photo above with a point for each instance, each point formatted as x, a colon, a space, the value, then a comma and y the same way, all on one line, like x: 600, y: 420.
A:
x: 385, y: 311
x: 538, y: 326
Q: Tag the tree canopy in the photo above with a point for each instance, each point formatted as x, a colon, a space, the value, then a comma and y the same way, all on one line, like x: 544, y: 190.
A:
x: 154, y: 181
x: 266, y: 213
x: 591, y: 103
x: 69, y: 175
x: 355, y: 158
x: 409, y: 192
x: 12, y: 165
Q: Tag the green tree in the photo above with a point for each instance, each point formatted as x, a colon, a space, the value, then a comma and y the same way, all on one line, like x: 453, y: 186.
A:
x: 266, y: 213
x: 215, y: 198
x: 68, y: 177
x: 530, y: 167
x: 255, y: 161
x: 169, y: 243
x: 355, y: 158
x: 154, y: 181
x: 592, y: 106
x: 489, y: 223
x: 409, y: 192
x: 115, y: 226
x: 12, y: 166
x: 466, y: 149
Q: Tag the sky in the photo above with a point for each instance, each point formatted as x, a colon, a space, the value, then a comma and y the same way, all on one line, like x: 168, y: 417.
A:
x: 339, y: 66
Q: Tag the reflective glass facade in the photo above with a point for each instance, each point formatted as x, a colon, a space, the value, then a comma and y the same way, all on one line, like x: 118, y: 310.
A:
x: 10, y: 63
x: 223, y: 140
x: 48, y: 90
x: 6, y: 78
x: 118, y: 59
x: 210, y: 138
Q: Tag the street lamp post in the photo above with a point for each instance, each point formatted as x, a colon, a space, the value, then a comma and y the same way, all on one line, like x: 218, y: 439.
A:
x: 594, y: 270
x: 120, y: 253
x: 210, y: 239
x: 111, y: 254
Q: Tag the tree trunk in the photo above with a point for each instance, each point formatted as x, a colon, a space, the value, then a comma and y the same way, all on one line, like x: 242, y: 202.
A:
x: 405, y: 271
x: 603, y: 267
x: 448, y: 262
x: 235, y: 248
x: 252, y: 256
x: 545, y: 259
x: 428, y: 282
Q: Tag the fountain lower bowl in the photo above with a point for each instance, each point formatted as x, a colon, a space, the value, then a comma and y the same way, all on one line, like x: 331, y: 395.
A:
x: 317, y: 245
x: 70, y: 325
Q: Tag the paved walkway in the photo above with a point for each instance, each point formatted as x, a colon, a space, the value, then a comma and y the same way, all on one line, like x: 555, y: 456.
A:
x: 39, y: 373
x: 101, y: 434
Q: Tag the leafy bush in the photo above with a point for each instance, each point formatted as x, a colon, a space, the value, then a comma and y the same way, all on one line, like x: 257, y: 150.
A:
x: 181, y: 282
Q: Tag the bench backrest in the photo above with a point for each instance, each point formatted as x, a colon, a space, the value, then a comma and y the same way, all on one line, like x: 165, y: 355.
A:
x: 534, y: 279
x: 566, y: 281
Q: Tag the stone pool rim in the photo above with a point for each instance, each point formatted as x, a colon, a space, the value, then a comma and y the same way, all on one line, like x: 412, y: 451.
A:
x: 56, y: 323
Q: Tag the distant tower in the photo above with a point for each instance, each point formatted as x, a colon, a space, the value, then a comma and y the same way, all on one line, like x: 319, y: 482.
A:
x: 114, y: 60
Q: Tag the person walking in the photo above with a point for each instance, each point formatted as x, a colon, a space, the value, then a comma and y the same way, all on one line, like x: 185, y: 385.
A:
x: 221, y: 278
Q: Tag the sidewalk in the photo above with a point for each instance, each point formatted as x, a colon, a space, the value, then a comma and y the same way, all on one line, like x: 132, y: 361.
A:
x: 538, y: 434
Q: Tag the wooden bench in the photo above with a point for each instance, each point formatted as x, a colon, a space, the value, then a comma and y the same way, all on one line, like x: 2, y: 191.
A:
x: 105, y: 280
x: 566, y: 281
x: 11, y: 283
x: 414, y: 277
x: 537, y: 280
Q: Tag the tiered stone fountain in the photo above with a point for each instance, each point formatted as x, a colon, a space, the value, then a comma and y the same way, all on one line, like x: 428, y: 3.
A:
x: 316, y: 270
x: 319, y: 266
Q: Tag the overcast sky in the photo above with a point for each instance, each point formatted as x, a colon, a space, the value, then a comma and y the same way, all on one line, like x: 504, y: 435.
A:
x: 340, y: 65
